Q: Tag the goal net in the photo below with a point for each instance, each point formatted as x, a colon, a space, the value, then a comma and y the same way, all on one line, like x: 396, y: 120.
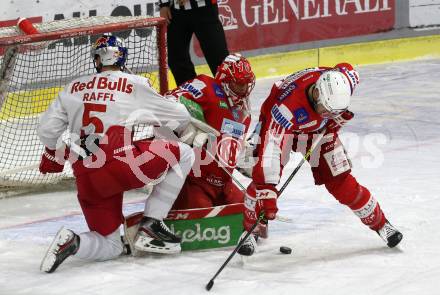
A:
x: 35, y: 67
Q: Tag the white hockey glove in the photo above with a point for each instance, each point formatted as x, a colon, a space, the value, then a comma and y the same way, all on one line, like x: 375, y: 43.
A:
x: 197, y: 133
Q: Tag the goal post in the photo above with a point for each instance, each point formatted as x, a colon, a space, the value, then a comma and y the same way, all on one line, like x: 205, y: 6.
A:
x: 35, y: 67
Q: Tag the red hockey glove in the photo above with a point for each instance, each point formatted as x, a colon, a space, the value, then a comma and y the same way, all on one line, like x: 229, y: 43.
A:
x: 50, y: 163
x: 266, y: 196
x: 335, y: 124
x: 260, y: 199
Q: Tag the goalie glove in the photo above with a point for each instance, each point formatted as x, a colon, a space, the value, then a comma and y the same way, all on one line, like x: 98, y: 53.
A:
x: 197, y: 133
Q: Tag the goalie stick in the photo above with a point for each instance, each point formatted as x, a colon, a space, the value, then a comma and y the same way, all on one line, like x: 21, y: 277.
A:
x: 210, y: 284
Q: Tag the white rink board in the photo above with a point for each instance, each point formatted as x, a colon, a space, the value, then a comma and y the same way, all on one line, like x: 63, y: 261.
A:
x: 424, y: 13
x: 48, y: 9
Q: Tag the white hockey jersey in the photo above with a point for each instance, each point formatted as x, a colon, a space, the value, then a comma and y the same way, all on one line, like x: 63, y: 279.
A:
x: 94, y: 103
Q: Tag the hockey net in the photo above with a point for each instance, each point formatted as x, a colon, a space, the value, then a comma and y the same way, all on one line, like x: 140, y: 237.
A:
x: 34, y: 68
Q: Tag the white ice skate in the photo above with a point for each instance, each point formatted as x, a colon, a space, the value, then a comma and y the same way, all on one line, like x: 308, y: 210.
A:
x: 65, y: 244
x: 154, y: 236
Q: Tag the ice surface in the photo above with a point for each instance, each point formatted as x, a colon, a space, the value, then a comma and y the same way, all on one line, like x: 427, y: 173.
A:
x: 394, y: 142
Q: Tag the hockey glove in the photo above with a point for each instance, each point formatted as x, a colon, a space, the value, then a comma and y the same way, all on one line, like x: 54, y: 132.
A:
x: 266, y: 196
x: 260, y: 199
x: 51, y: 162
x: 197, y: 133
x: 335, y: 124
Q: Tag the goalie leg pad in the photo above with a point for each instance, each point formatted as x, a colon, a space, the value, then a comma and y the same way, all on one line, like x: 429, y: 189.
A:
x: 131, y: 227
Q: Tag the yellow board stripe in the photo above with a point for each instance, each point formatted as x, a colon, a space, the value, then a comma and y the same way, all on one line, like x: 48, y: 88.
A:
x: 22, y: 104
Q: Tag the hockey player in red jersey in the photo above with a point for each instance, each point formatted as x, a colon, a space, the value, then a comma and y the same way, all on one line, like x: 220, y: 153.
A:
x: 221, y: 102
x: 298, y: 108
x: 102, y: 110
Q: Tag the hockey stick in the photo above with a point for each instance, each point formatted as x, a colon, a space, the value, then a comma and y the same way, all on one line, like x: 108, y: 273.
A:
x: 303, y: 160
x: 279, y: 218
x: 208, y: 286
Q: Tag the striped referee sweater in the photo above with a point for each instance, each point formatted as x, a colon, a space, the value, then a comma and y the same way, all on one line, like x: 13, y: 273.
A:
x: 187, y: 4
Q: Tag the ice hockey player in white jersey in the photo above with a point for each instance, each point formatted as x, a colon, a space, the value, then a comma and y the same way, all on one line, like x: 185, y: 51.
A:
x: 100, y: 112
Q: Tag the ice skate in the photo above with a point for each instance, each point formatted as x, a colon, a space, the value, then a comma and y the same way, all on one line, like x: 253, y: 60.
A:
x: 249, y: 246
x: 154, y: 236
x: 65, y: 244
x: 390, y: 235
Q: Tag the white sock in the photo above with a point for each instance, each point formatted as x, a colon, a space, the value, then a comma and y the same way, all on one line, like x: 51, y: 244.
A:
x: 94, y: 246
x: 165, y: 193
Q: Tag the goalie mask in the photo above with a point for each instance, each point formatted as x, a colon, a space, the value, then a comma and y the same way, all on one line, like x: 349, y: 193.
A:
x: 332, y: 94
x: 237, y: 79
x: 111, y: 51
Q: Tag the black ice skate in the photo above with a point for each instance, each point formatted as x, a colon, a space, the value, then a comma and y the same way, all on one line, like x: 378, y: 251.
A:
x: 390, y: 235
x: 249, y: 246
x: 154, y: 236
x: 65, y: 244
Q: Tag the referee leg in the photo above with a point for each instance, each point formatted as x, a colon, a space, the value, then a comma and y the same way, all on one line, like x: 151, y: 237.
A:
x: 212, y: 38
x: 178, y: 42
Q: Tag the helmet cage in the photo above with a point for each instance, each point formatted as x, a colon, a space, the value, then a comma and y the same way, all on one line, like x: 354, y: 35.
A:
x: 111, y: 50
x: 236, y: 69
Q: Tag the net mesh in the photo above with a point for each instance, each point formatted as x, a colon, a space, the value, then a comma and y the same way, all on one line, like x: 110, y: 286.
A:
x: 31, y: 79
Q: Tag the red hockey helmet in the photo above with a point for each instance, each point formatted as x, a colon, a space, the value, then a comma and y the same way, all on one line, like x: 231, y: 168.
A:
x: 237, y: 79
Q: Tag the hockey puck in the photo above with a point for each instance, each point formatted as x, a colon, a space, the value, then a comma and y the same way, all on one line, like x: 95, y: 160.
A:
x: 285, y: 250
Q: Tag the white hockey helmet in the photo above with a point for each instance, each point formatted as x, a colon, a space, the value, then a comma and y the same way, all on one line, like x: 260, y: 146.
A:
x: 111, y: 50
x: 334, y: 93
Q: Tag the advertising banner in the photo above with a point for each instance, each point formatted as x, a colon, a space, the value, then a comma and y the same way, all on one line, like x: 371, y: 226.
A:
x: 255, y: 24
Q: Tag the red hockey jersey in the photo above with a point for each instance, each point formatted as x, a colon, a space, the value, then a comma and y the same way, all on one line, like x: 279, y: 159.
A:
x: 205, y: 99
x: 286, y: 116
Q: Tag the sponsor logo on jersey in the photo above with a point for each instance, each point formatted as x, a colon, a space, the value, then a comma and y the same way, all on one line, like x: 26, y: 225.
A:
x: 228, y: 149
x: 287, y: 91
x: 301, y: 115
x: 282, y: 115
x: 195, y: 88
x: 193, y: 108
x: 222, y: 104
x: 215, y: 180
x: 232, y: 128
x: 103, y: 83
x: 218, y: 91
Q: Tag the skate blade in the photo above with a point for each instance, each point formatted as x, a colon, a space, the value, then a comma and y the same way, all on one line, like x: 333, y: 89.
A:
x: 144, y: 244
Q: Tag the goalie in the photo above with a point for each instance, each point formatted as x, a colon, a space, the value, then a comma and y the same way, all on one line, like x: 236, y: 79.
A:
x: 223, y: 103
x: 101, y: 110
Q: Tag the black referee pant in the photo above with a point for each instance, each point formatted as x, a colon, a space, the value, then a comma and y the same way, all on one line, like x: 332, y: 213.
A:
x: 205, y: 24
